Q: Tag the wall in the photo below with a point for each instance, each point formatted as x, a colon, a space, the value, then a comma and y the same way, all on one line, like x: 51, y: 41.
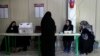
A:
x: 3, y: 26
x: 86, y: 10
x: 98, y: 21
x: 32, y: 18
x: 18, y: 11
x: 89, y: 10
x: 23, y: 11
x: 56, y: 7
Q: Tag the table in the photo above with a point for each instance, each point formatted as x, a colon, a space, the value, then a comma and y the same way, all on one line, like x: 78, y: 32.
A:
x: 39, y: 34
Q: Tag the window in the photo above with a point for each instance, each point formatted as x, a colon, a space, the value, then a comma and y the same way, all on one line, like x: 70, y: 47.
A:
x: 3, y: 11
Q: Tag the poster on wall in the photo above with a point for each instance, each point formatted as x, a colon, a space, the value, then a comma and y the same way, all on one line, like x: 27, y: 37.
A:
x: 39, y: 10
x: 3, y: 11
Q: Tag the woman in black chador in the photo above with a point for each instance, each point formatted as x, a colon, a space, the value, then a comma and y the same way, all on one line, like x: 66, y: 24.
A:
x: 15, y: 43
x: 87, y: 38
x: 67, y: 40
x: 48, y: 38
x: 13, y: 28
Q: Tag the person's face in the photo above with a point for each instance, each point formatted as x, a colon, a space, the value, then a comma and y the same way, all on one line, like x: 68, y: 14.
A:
x: 67, y: 23
x: 13, y: 24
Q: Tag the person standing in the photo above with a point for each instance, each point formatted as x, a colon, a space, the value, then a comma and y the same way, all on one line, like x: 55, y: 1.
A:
x: 48, y: 29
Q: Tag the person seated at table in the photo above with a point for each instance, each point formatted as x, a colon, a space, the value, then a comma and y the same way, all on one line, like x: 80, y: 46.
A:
x: 8, y: 42
x: 87, y: 38
x: 67, y: 40
x: 14, y: 43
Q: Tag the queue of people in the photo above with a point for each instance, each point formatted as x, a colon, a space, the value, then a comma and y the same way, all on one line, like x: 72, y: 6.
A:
x: 48, y: 38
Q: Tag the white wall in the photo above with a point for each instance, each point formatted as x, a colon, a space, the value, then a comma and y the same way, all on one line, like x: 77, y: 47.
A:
x: 23, y: 11
x: 19, y: 10
x: 2, y: 24
x: 58, y: 9
x: 86, y: 10
x: 89, y: 10
x: 98, y: 21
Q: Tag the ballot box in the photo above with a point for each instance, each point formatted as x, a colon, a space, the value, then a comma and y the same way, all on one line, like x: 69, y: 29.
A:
x: 26, y: 28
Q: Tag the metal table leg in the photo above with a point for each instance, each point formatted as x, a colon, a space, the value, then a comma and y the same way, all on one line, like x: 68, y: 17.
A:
x: 77, y: 46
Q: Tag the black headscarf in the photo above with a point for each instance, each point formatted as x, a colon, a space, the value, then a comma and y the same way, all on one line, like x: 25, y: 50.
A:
x: 47, y: 15
x: 11, y: 24
x: 68, y: 27
x: 70, y: 22
x: 15, y: 27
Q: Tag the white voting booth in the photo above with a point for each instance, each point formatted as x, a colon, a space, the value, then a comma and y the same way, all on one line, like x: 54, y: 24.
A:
x: 26, y: 28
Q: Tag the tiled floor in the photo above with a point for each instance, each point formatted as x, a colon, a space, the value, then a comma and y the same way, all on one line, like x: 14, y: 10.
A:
x: 58, y: 53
